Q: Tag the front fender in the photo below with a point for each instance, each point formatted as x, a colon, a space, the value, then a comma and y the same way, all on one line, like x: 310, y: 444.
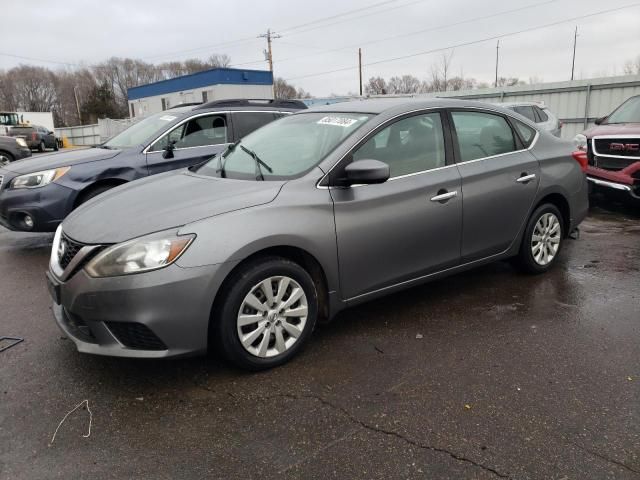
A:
x: 292, y: 220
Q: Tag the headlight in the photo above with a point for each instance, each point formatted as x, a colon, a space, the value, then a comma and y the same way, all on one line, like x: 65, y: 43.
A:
x: 38, y: 179
x: 139, y: 255
x: 21, y: 142
x: 580, y: 141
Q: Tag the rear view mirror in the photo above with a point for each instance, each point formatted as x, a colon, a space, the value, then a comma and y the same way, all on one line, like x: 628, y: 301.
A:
x: 366, y: 172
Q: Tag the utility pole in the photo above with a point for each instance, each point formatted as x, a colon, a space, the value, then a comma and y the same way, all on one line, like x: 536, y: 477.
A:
x: 75, y: 94
x: 360, y: 68
x: 573, y: 62
x: 497, y: 58
x: 269, y: 53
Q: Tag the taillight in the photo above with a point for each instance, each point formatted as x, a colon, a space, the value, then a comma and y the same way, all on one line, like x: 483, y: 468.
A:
x: 580, y: 156
x: 34, y: 136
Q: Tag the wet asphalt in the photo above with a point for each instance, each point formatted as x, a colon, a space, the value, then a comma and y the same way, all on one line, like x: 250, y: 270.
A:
x: 487, y: 374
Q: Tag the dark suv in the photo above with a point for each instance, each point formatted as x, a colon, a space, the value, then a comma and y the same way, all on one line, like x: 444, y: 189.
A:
x: 38, y: 193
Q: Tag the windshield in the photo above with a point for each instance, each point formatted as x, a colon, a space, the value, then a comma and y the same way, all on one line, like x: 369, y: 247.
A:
x: 290, y: 147
x: 137, y: 134
x: 628, y: 112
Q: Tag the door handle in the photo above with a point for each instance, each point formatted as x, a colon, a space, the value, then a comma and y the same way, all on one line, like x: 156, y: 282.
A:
x: 526, y: 178
x: 443, y: 196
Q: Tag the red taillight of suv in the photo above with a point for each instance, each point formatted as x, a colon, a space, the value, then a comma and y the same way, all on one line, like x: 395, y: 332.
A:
x: 34, y: 136
x: 580, y: 156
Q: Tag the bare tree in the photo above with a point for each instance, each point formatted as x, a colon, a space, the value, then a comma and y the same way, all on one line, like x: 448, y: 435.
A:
x: 219, y: 60
x: 632, y: 67
x: 441, y: 71
x: 403, y: 84
x: 376, y: 86
x: 284, y: 90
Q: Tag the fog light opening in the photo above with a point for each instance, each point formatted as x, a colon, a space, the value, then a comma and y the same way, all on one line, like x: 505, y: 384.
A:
x: 27, y: 221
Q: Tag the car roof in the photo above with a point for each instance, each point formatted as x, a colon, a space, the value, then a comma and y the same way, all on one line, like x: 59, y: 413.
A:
x: 517, y: 104
x: 399, y: 105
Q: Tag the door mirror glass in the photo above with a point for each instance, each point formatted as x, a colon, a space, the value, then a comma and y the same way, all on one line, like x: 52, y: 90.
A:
x: 366, y: 172
x: 168, y: 150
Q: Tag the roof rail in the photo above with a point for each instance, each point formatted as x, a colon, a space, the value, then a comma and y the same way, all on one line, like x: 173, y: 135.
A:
x: 186, y: 104
x: 250, y: 102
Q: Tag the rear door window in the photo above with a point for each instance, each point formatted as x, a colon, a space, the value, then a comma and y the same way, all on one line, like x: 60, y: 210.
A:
x: 482, y: 135
x: 246, y: 122
x: 197, y: 132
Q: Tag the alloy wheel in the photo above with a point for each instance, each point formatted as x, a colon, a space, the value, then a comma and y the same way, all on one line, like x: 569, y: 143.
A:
x: 4, y: 160
x: 272, y: 316
x: 545, y: 239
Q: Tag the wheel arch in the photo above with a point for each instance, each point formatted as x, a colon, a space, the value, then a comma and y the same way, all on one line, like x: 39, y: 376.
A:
x: 104, y: 182
x: 293, y: 253
x: 561, y: 203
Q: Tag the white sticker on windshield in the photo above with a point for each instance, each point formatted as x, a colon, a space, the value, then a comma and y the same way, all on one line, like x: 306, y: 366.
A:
x: 337, y: 121
x: 167, y: 118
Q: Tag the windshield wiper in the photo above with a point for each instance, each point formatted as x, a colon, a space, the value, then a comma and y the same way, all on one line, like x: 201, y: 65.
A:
x: 223, y: 158
x: 259, y: 163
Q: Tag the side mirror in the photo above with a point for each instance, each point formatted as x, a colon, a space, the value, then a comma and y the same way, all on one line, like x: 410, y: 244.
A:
x: 600, y: 120
x: 168, y: 150
x: 366, y: 172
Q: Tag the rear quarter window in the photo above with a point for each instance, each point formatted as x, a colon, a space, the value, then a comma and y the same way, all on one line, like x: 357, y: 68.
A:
x: 527, y: 134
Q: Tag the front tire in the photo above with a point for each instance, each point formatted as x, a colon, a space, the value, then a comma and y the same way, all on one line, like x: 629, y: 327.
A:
x: 542, y: 240
x: 267, y: 313
x: 5, y: 158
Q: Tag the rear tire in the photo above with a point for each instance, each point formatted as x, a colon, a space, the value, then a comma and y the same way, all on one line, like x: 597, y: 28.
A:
x: 542, y: 240
x: 42, y: 147
x: 267, y: 333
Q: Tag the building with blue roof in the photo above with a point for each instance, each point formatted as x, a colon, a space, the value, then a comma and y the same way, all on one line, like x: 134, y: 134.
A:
x: 205, y: 86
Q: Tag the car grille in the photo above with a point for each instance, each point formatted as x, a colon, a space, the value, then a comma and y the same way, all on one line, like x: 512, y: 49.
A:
x: 71, y: 248
x: 135, y: 335
x: 1, y: 180
x: 624, y: 147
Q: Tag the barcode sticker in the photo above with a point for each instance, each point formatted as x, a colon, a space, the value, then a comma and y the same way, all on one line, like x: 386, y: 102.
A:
x: 337, y: 121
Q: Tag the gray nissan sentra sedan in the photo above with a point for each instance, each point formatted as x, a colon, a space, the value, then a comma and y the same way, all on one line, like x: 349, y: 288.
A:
x: 310, y: 214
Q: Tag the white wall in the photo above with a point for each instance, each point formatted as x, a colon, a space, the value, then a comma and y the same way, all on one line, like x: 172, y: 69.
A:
x: 150, y: 105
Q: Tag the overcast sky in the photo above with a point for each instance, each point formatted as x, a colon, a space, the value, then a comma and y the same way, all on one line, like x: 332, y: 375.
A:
x: 88, y: 31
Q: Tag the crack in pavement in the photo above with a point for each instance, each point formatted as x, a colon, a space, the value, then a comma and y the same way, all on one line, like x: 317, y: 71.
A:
x: 606, y: 459
x: 383, y: 431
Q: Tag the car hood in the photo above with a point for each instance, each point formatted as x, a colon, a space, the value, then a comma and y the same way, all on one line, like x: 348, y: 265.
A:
x: 60, y: 159
x: 616, y: 129
x: 161, y: 202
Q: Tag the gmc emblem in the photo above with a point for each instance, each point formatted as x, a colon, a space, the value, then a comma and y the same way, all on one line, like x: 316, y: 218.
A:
x: 624, y: 147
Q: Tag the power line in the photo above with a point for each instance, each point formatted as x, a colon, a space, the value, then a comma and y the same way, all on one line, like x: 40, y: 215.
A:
x: 416, y: 32
x: 320, y: 20
x: 32, y: 59
x: 357, y: 17
x: 289, y: 29
x: 465, y: 44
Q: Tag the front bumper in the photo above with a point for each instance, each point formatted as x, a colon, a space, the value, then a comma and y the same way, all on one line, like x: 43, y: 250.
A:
x: 47, y: 206
x: 23, y: 153
x: 170, y: 306
x: 625, y: 181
